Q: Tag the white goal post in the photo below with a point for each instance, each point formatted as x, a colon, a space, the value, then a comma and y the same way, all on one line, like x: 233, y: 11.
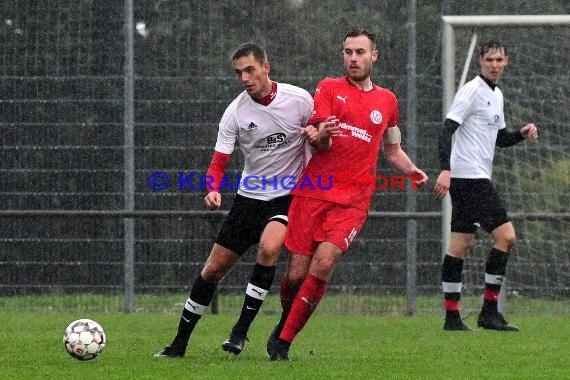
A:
x: 448, y: 68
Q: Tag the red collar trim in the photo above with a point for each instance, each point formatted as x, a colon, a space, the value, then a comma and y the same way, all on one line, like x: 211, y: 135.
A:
x: 267, y: 99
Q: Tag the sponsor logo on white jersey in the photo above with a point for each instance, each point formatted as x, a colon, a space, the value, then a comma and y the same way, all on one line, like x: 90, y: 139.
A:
x: 273, y: 141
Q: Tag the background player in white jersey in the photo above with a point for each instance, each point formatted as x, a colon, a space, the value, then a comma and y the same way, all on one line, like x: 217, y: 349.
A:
x: 477, y: 120
x: 267, y: 120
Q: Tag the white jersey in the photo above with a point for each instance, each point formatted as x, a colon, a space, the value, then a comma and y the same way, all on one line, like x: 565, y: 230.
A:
x: 479, y: 111
x: 270, y: 138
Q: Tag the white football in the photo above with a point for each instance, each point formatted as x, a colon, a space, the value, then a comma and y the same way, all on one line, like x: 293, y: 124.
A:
x: 84, y: 339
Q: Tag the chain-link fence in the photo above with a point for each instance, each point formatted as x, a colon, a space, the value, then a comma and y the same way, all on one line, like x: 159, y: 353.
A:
x: 64, y: 108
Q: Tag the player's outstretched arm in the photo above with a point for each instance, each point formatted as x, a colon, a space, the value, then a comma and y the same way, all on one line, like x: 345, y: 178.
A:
x: 400, y: 160
x: 506, y: 138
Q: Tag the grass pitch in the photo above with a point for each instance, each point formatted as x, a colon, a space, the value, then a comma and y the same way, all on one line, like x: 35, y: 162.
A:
x: 330, y: 347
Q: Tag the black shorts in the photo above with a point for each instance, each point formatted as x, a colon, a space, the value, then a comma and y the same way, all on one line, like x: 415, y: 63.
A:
x: 247, y: 219
x: 475, y: 202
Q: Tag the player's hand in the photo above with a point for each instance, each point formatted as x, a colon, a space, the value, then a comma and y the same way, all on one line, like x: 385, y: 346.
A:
x: 320, y: 136
x: 328, y: 128
x: 418, y: 176
x: 213, y: 200
x: 311, y: 133
x: 530, y: 131
x: 442, y: 185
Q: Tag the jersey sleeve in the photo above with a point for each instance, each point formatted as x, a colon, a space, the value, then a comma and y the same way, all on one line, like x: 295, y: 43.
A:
x: 217, y: 169
x: 322, y: 104
x: 394, y: 115
x: 502, y: 123
x: 444, y: 143
x: 395, y: 119
x: 308, y: 107
x: 227, y: 132
x: 462, y: 104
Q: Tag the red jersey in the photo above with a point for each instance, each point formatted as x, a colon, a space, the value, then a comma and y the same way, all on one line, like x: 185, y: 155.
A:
x: 346, y: 173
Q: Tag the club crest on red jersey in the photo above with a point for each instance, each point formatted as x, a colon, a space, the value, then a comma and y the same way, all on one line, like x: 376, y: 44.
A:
x: 376, y: 117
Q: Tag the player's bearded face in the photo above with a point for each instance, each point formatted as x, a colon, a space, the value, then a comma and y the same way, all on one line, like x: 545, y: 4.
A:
x: 253, y: 75
x: 359, y: 55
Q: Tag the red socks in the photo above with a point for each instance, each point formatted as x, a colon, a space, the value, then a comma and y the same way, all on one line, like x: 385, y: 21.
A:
x: 287, y: 294
x: 305, y: 303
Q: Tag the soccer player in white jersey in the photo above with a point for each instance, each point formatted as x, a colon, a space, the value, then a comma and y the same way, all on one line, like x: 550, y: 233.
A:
x: 476, y: 119
x: 268, y: 121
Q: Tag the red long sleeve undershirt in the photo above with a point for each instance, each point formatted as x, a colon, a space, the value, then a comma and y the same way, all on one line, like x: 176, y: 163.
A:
x: 217, y: 169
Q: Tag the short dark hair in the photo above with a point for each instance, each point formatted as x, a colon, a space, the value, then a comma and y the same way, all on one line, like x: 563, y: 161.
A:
x: 361, y: 32
x: 251, y: 48
x: 491, y: 45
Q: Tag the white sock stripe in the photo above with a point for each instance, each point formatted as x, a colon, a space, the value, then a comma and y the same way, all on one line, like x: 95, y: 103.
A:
x: 256, y: 292
x: 494, y: 279
x: 451, y: 287
x: 194, y: 307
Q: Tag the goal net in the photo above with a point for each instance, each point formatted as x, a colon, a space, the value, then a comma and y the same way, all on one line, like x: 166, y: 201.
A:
x: 533, y: 177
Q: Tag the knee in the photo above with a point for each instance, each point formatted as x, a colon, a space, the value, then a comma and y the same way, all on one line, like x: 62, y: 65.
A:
x: 323, y: 266
x: 511, y: 241
x: 507, y: 241
x: 213, y: 273
x: 466, y: 245
x: 268, y: 253
x: 461, y: 247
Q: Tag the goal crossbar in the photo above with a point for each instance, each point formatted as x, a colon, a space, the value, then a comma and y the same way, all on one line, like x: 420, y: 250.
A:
x: 448, y: 40
x: 506, y: 20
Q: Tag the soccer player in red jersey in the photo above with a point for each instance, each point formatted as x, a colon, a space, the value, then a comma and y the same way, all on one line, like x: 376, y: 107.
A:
x: 351, y: 118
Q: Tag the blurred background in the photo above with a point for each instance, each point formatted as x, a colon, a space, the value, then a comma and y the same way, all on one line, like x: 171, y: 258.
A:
x: 97, y: 95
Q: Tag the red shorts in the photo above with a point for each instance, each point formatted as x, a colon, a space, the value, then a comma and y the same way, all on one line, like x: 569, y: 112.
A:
x: 312, y: 221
